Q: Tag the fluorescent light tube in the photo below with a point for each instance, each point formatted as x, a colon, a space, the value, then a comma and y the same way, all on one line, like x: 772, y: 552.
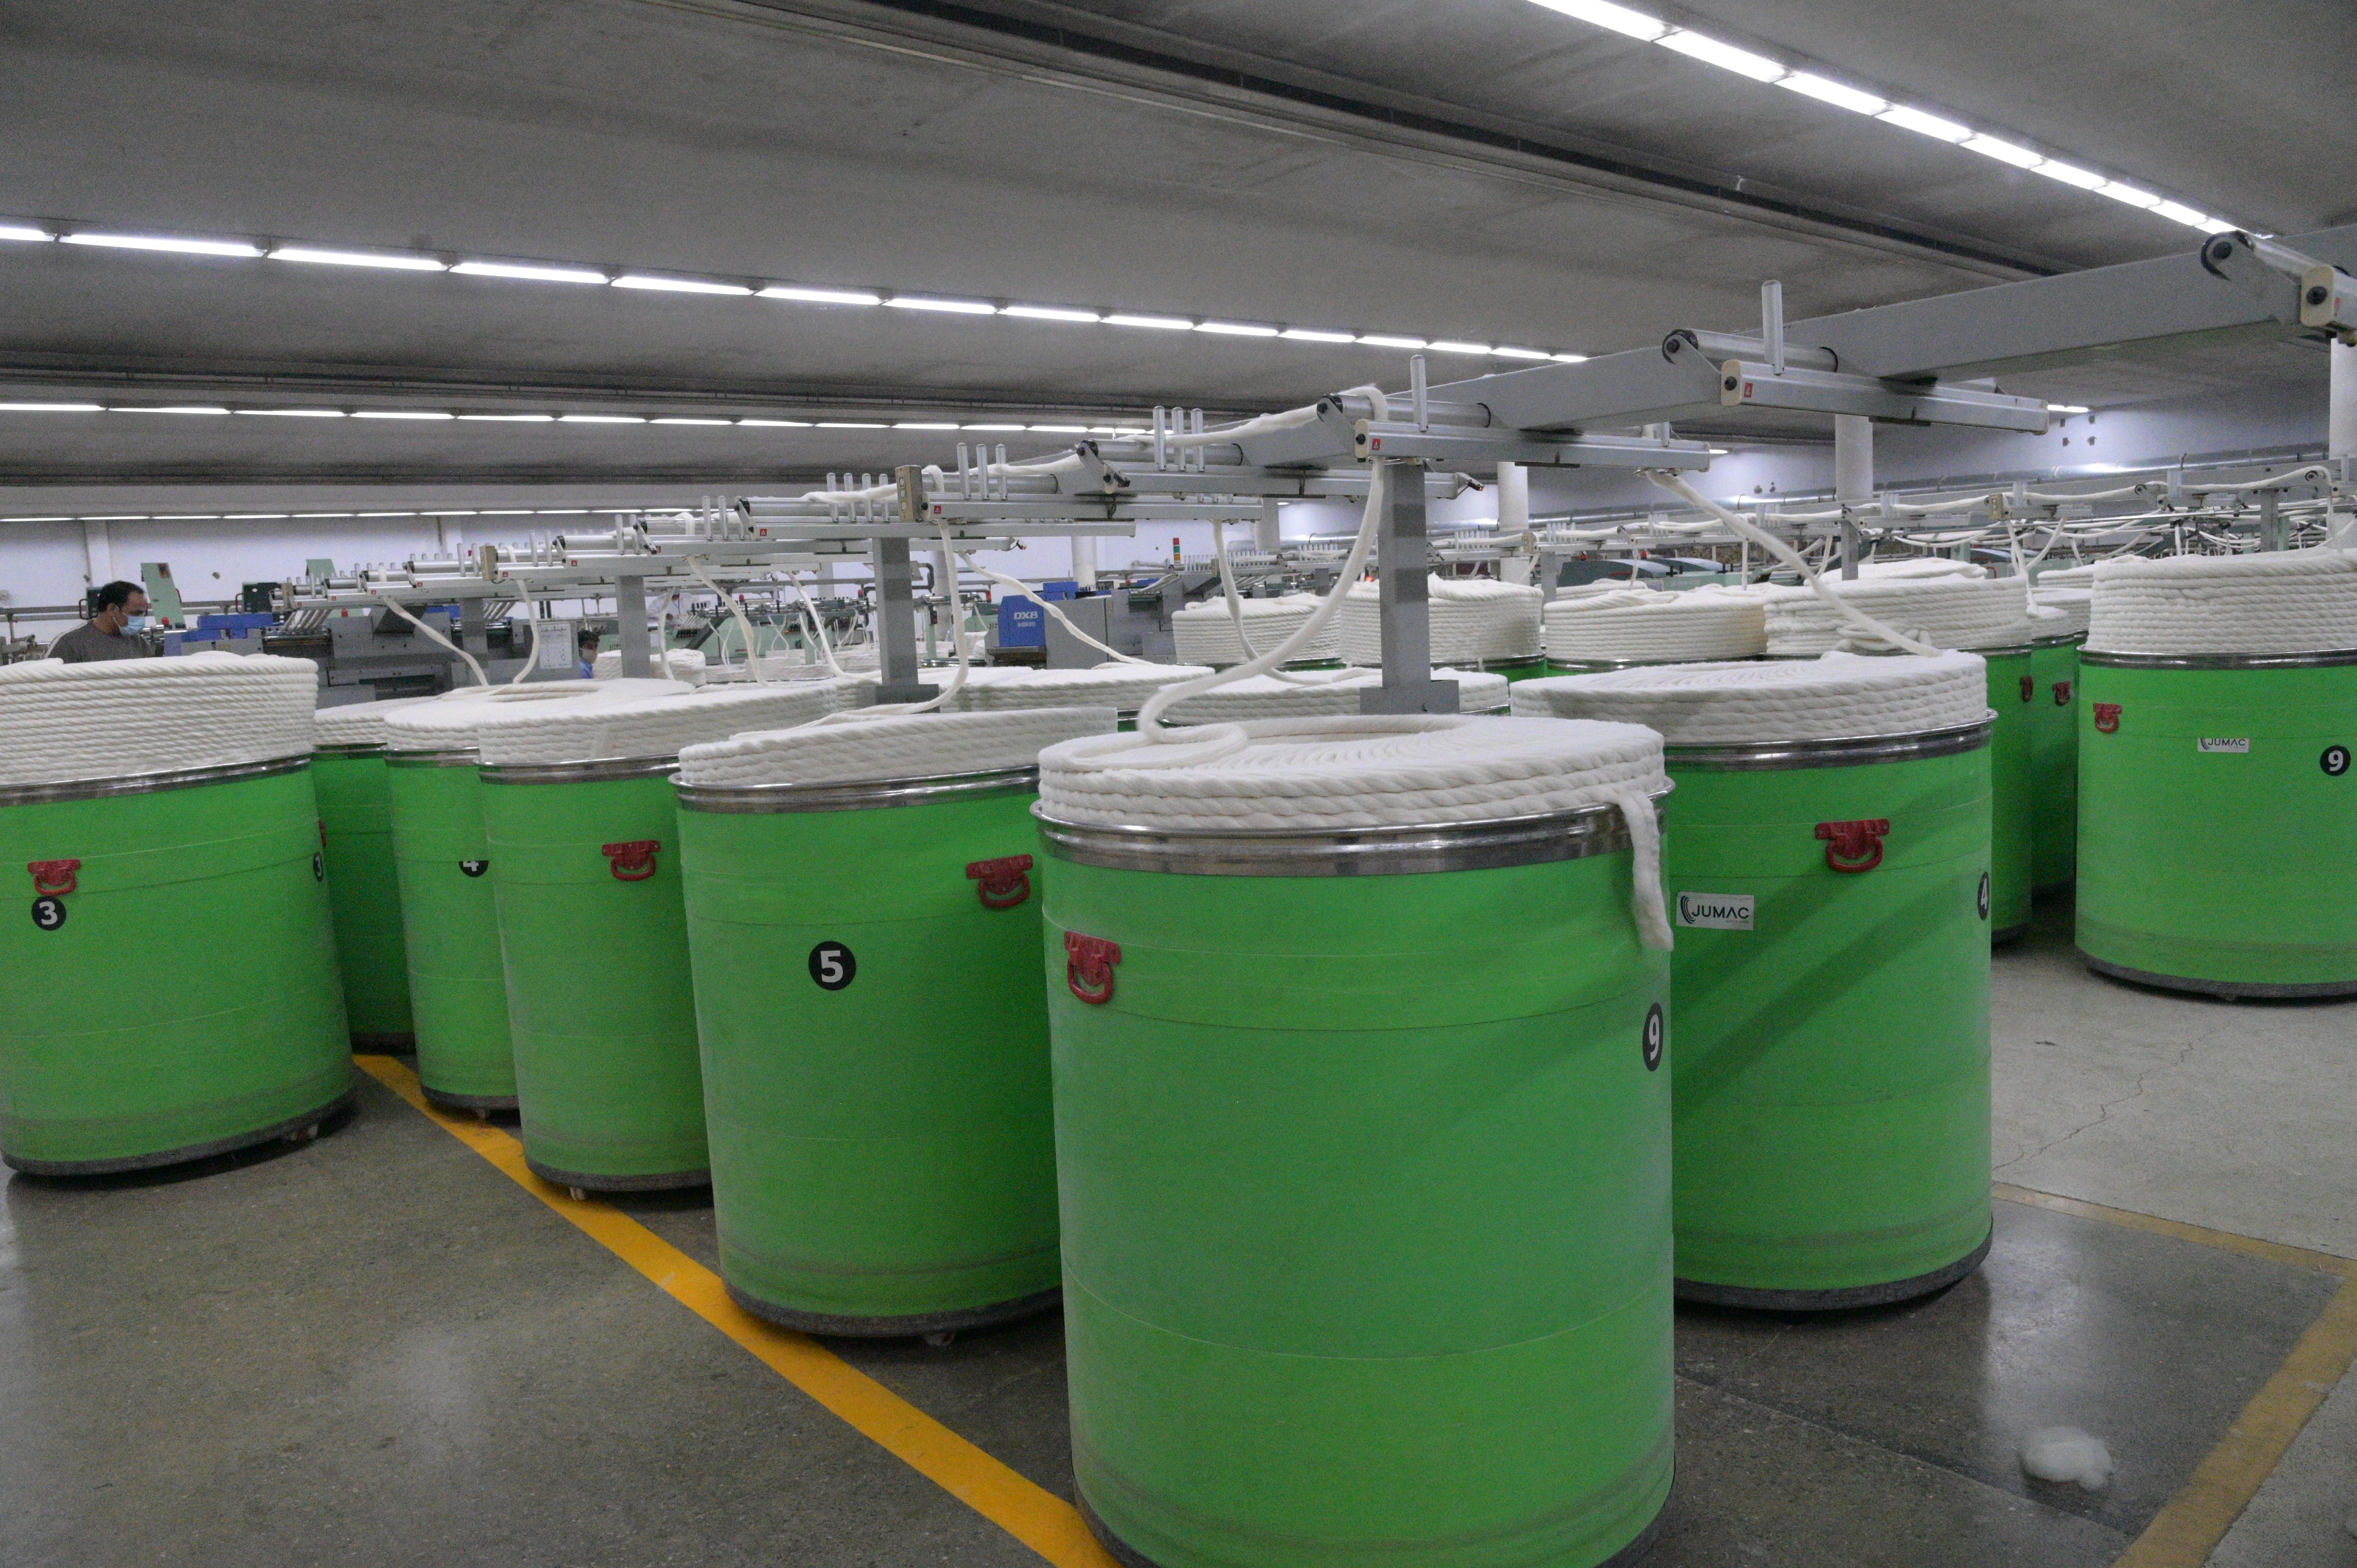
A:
x: 1727, y: 57
x: 357, y: 259
x: 528, y: 272
x: 1061, y: 429
x: 291, y: 413
x: 991, y: 427
x: 921, y: 424
x: 682, y: 419
x: 2066, y: 408
x: 1570, y: 359
x: 2071, y: 173
x: 822, y: 295
x: 171, y: 408
x: 163, y: 243
x: 2177, y: 212
x: 508, y: 419
x: 1305, y: 335
x: 851, y: 425
x: 2004, y: 152
x: 2129, y: 194
x: 600, y: 419
x: 1452, y: 346
x: 1925, y: 125
x: 1617, y: 18
x: 948, y: 307
x: 1504, y: 353
x: 52, y: 408
x: 778, y: 423
x: 22, y: 231
x: 1826, y: 91
x: 1157, y: 323
x: 1381, y: 341
x: 399, y: 413
x: 1051, y: 313
x: 678, y: 285
x: 1236, y: 330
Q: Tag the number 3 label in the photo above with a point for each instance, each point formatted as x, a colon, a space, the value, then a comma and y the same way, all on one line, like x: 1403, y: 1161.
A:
x: 832, y: 966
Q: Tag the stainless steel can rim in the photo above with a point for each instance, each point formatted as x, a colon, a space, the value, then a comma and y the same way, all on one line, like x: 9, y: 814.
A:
x: 588, y: 770
x: 1404, y: 851
x: 1851, y: 751
x: 2111, y: 659
x: 147, y: 783
x: 350, y: 748
x: 449, y: 756
x: 879, y: 794
x: 2064, y: 640
x: 1604, y: 666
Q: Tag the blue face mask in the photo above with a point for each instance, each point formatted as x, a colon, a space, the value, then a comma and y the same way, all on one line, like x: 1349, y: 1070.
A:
x: 136, y: 623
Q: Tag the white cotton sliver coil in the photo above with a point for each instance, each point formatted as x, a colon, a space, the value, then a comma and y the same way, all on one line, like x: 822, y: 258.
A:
x: 1945, y: 611
x: 1123, y: 686
x: 2073, y: 605
x: 2064, y: 577
x: 1918, y: 566
x: 1645, y: 623
x: 1474, y: 620
x: 1838, y: 697
x: 120, y: 718
x: 2293, y: 601
x: 359, y: 724
x: 1206, y: 634
x: 898, y: 746
x: 1324, y: 693
x: 687, y: 664
x: 451, y: 722
x: 659, y: 726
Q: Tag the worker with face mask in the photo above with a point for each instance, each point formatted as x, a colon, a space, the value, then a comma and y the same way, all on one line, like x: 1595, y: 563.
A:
x: 116, y: 608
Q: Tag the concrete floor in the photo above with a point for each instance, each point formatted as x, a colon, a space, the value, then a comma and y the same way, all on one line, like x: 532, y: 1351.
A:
x: 378, y: 1350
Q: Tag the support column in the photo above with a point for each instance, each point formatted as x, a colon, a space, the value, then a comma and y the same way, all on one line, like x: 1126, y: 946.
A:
x: 472, y: 635
x: 631, y: 613
x: 1404, y: 572
x: 1853, y: 480
x: 98, y: 551
x: 1268, y: 532
x: 1085, y: 562
x: 2340, y: 420
x: 896, y: 625
x: 1513, y: 497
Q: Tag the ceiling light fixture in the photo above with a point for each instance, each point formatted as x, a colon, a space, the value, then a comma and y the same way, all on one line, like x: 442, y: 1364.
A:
x: 163, y: 243
x: 1152, y: 322
x: 1923, y: 125
x: 24, y: 231
x: 2004, y: 152
x: 946, y: 306
x: 1379, y: 340
x: 528, y: 271
x: 1824, y: 90
x: 1725, y: 56
x: 358, y: 259
x: 1452, y: 346
x: 820, y: 296
x: 1051, y: 313
x: 600, y: 419
x: 511, y: 418
x: 677, y: 285
x: 401, y: 413
x: 1308, y: 334
x: 169, y: 408
x: 1237, y: 329
x: 1619, y: 18
x: 52, y: 408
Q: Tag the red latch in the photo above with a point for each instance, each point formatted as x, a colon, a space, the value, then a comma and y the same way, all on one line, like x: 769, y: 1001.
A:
x: 1853, y: 847
x: 1001, y: 884
x: 2028, y: 687
x: 1088, y: 967
x: 631, y: 862
x: 53, y: 876
x: 2061, y: 694
x: 2107, y: 717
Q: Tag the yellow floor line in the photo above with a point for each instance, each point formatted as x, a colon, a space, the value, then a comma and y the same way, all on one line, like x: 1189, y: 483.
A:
x: 2191, y: 1524
x: 1032, y: 1515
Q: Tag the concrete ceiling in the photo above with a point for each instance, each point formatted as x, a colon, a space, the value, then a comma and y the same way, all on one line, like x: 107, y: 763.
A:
x: 1476, y: 168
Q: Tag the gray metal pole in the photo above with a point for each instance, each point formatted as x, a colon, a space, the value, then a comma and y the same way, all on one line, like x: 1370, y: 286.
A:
x: 2271, y: 530
x: 631, y: 611
x: 896, y: 625
x: 1404, y: 615
x: 1853, y: 480
x: 2341, y: 416
x: 471, y: 634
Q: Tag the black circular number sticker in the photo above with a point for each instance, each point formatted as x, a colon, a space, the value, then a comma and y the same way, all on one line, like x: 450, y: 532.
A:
x: 832, y: 965
x: 1985, y: 895
x: 1656, y: 1027
x: 48, y: 913
x: 2335, y: 761
x: 474, y: 867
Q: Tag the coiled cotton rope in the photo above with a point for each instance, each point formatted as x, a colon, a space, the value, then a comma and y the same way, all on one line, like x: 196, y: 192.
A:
x: 1206, y: 634
x: 1474, y: 620
x: 359, y: 724
x: 686, y: 664
x: 2293, y: 601
x: 1267, y: 697
x: 1837, y: 696
x: 1945, y: 611
x: 120, y: 718
x: 2066, y: 578
x: 1918, y: 566
x: 1320, y: 775
x: 449, y: 721
x: 900, y: 746
x: 658, y: 726
x: 1123, y: 686
x: 1649, y: 624
x: 2073, y: 605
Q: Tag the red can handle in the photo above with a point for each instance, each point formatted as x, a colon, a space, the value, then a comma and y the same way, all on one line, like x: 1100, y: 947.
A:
x: 1001, y: 884
x: 633, y: 861
x: 1853, y: 846
x: 2028, y: 687
x: 2107, y: 717
x: 1088, y: 967
x: 54, y: 876
x: 2061, y: 694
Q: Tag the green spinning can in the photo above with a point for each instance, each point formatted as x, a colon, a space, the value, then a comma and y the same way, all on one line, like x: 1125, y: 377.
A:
x: 585, y: 863
x: 2218, y: 820
x: 364, y: 892
x: 1365, y: 1223
x: 875, y: 1050
x: 1832, y: 1082
x: 2013, y: 787
x: 458, y: 996
x: 192, y: 904
x: 2054, y: 763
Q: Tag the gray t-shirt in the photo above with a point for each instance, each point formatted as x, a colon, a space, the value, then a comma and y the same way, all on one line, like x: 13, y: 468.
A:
x: 85, y: 644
